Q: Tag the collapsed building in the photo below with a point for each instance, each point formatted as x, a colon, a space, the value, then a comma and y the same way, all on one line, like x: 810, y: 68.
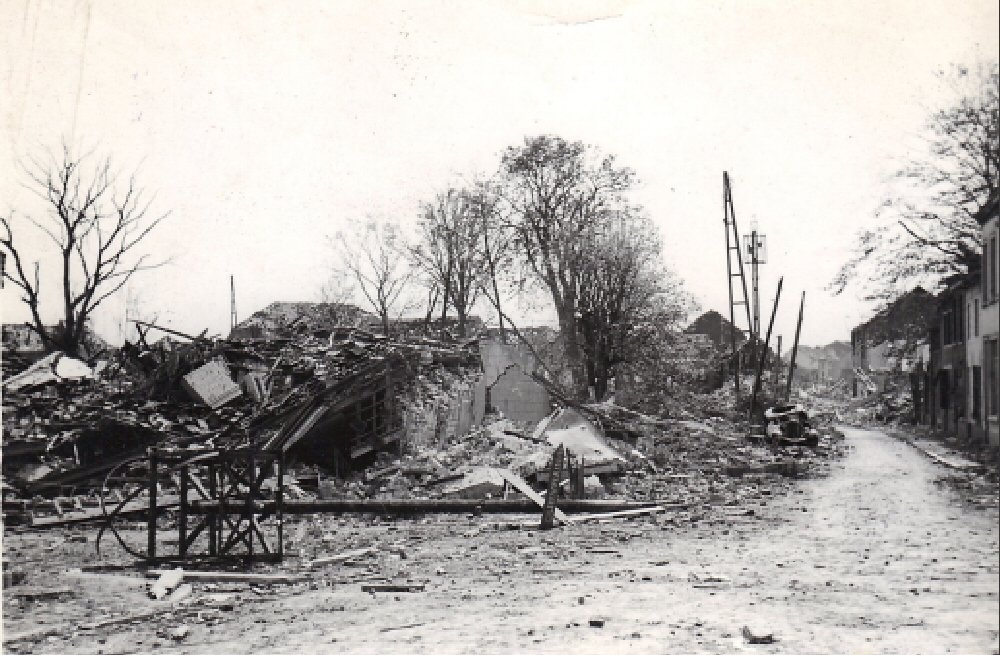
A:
x: 825, y: 364
x: 293, y: 413
x: 886, y: 348
x: 207, y: 391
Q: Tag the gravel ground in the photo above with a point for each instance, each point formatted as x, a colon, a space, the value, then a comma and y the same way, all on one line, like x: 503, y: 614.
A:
x: 877, y: 556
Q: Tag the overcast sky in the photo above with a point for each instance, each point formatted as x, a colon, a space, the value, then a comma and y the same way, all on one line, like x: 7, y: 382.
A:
x: 264, y: 127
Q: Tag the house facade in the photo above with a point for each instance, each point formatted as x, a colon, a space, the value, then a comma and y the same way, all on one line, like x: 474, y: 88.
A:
x: 947, y: 387
x: 21, y: 338
x: 974, y: 391
x: 989, y: 320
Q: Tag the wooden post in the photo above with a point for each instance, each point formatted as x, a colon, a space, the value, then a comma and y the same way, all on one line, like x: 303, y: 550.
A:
x: 248, y: 504
x: 776, y: 368
x: 213, y: 518
x: 763, y: 354
x: 151, y: 529
x: 795, y: 347
x: 280, y: 500
x: 549, y: 509
x: 182, y: 518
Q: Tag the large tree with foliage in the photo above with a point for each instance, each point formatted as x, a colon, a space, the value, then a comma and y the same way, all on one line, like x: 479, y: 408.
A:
x: 97, y: 223
x: 557, y: 193
x: 925, y: 230
x: 621, y: 276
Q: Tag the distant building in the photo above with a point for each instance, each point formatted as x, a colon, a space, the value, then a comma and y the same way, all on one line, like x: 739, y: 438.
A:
x: 884, y: 349
x: 287, y: 318
x: 824, y: 363
x: 717, y: 328
x: 23, y: 340
x: 18, y: 337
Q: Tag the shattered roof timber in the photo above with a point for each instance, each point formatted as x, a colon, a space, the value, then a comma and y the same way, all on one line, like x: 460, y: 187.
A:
x: 368, y: 378
x: 305, y: 383
x: 602, y: 417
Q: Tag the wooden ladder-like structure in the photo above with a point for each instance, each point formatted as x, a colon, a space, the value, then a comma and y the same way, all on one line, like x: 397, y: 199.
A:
x: 734, y: 270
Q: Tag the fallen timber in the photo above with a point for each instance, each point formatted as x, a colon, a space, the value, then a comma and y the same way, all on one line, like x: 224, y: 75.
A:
x: 407, y: 507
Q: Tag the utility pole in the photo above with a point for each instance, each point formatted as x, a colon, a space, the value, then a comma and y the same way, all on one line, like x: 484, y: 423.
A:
x: 232, y: 303
x: 734, y: 269
x: 776, y: 368
x: 755, y: 245
x: 795, y: 347
x: 763, y: 354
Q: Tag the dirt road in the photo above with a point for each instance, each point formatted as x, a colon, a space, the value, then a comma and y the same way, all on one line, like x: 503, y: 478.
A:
x: 874, y: 558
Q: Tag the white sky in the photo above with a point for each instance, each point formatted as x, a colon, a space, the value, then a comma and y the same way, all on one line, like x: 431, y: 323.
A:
x: 264, y: 127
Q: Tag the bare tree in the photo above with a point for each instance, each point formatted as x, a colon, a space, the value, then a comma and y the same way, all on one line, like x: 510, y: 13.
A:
x: 335, y: 297
x: 497, y: 244
x: 557, y: 191
x: 96, y: 224
x: 434, y: 255
x: 925, y: 230
x: 374, y: 255
x: 453, y: 248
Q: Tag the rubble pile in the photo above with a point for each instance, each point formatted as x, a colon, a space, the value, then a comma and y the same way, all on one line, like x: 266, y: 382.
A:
x: 406, y: 418
x: 65, y: 424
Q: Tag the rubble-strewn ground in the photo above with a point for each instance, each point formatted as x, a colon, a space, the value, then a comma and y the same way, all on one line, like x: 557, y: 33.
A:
x: 874, y: 557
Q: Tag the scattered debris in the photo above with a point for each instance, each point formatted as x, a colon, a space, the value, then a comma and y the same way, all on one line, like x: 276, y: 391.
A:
x: 180, y: 632
x: 709, y: 581
x: 181, y: 593
x: 753, y: 639
x: 403, y: 627
x: 36, y: 594
x: 391, y: 588
x: 233, y: 576
x: 56, y: 367
x: 166, y: 583
x: 343, y: 557
x: 211, y: 384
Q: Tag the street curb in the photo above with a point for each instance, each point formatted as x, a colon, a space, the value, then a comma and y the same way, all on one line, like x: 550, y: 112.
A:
x: 974, y: 467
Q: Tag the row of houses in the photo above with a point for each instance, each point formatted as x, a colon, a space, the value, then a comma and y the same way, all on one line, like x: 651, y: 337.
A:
x: 946, y: 348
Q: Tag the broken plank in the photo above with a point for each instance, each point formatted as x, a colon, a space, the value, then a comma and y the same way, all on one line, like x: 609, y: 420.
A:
x: 392, y: 588
x: 166, y: 583
x: 36, y: 594
x: 343, y: 557
x: 34, y: 635
x: 403, y: 627
x: 96, y: 513
x: 620, y: 515
x: 416, y: 506
x: 234, y: 576
x: 521, y: 485
x: 128, y: 618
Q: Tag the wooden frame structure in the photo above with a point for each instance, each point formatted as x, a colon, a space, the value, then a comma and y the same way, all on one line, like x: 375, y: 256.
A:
x: 232, y: 508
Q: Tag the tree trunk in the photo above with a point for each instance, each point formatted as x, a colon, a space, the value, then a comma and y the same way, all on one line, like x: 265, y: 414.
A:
x: 601, y: 369
x: 385, y: 320
x: 446, y: 300
x: 573, y: 352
